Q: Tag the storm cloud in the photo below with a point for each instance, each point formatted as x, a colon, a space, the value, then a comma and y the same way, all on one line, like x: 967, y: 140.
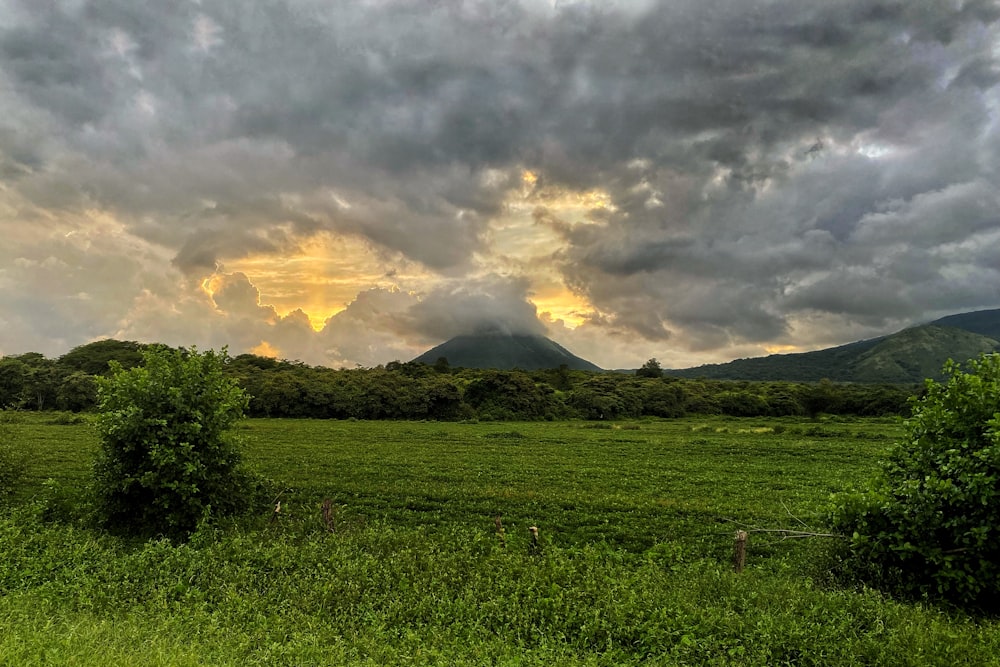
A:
x: 693, y: 180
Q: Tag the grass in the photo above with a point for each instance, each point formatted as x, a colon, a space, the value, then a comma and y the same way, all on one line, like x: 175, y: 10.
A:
x: 636, y: 523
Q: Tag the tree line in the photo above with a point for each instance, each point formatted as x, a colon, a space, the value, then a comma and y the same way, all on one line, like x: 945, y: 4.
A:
x: 411, y: 390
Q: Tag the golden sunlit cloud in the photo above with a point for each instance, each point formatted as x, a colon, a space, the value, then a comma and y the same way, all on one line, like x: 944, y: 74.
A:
x: 562, y: 304
x: 781, y: 349
x: 210, y: 285
x: 516, y: 244
x: 265, y: 349
x: 570, y: 205
x: 327, y: 271
x: 326, y: 274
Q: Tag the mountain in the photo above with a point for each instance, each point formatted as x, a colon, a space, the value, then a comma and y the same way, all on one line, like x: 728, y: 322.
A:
x: 907, y: 356
x: 914, y: 354
x: 982, y: 322
x: 502, y: 350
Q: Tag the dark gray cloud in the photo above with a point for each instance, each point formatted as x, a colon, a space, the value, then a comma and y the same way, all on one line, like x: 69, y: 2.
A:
x: 492, y: 303
x: 769, y: 165
x: 838, y: 123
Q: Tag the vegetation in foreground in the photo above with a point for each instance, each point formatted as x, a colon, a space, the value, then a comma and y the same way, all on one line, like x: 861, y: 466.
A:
x: 167, y: 462
x: 635, y: 518
x: 928, y: 524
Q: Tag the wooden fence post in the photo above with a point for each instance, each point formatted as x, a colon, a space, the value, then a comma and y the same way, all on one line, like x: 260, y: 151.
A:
x: 328, y: 516
x: 740, y: 551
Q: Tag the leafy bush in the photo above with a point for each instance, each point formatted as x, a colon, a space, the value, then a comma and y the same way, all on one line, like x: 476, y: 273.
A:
x: 930, y: 524
x: 508, y: 395
x: 166, y: 462
x: 742, y: 404
x: 77, y: 392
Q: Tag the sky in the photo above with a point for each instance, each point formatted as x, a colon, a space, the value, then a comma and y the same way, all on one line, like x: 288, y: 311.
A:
x: 352, y: 183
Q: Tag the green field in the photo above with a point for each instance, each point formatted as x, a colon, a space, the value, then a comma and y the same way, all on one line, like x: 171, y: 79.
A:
x: 636, y: 524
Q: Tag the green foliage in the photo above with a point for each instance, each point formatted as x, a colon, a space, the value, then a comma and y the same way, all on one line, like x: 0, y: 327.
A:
x: 634, y: 568
x: 664, y: 398
x: 41, y: 382
x: 508, y: 395
x: 13, y: 376
x: 606, y: 397
x: 612, y: 484
x: 166, y: 462
x: 783, y: 401
x: 77, y: 392
x: 929, y: 524
x: 94, y: 358
x: 385, y: 594
x: 822, y: 397
x: 415, y: 391
x: 13, y: 464
x: 650, y: 369
x: 741, y: 404
x: 31, y: 381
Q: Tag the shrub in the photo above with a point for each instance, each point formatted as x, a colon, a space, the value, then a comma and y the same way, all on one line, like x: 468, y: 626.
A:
x: 929, y: 523
x: 166, y: 462
x: 741, y: 404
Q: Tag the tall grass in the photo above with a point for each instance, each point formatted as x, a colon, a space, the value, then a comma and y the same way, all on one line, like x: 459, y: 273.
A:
x: 633, y: 567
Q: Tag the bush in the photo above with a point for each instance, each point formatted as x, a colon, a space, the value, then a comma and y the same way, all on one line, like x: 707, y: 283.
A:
x: 166, y: 463
x: 741, y: 404
x: 930, y: 524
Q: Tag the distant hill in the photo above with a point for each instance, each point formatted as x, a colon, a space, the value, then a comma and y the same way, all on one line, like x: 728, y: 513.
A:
x: 908, y: 356
x: 496, y: 349
x: 982, y: 322
x: 914, y: 354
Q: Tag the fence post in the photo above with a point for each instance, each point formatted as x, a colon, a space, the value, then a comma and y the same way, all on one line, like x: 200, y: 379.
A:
x: 328, y: 516
x: 740, y: 551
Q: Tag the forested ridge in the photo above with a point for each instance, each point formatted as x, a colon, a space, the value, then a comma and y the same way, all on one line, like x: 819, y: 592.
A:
x: 413, y: 390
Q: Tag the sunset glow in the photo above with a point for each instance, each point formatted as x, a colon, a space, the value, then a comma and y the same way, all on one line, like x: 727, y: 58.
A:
x: 781, y: 349
x: 265, y: 350
x: 322, y: 277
